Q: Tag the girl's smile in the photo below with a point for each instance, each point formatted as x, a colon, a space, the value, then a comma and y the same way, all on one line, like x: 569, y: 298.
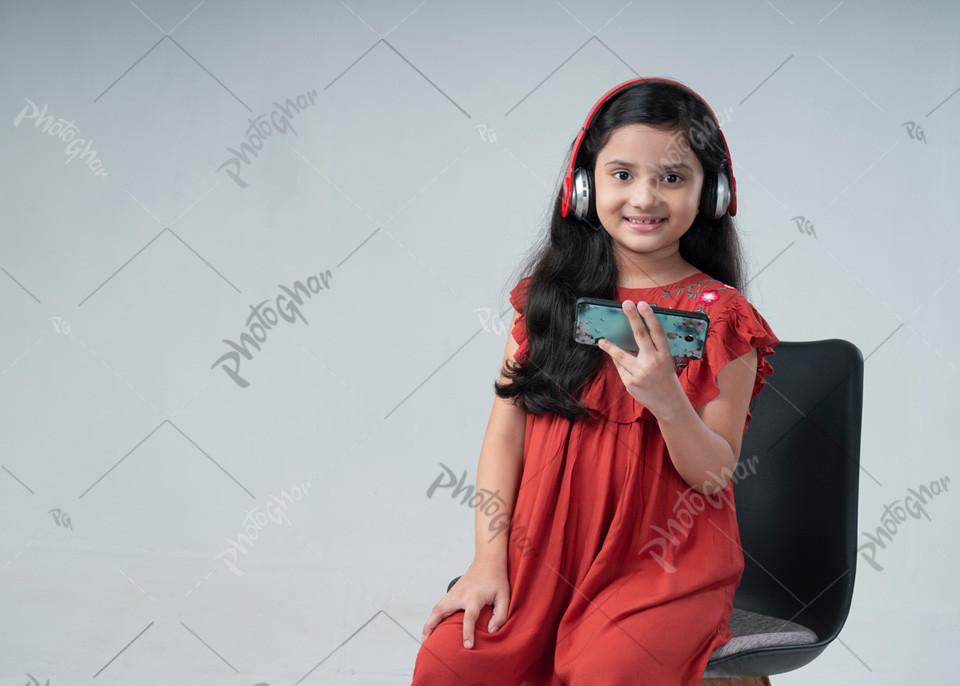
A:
x: 647, y: 193
x: 644, y: 223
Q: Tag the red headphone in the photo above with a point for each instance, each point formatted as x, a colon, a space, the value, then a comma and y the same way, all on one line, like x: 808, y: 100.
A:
x: 719, y: 195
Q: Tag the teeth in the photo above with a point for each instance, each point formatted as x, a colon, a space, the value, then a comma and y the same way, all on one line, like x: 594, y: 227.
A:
x: 646, y: 221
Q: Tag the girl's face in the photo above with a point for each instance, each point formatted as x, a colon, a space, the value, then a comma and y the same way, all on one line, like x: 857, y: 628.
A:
x: 652, y: 176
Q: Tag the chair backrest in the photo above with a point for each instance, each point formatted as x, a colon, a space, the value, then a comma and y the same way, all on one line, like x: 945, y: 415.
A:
x: 796, y: 492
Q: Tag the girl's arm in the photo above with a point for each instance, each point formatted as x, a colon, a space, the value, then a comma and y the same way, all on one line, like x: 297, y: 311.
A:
x: 499, y: 466
x: 498, y: 472
x: 703, y: 443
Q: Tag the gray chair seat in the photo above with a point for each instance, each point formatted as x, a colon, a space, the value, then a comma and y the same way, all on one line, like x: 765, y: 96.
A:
x: 752, y: 630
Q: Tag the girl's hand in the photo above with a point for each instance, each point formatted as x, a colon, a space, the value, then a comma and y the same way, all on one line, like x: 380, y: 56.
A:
x: 649, y: 375
x: 484, y: 583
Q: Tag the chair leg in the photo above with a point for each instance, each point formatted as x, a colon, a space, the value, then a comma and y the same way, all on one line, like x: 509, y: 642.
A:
x: 747, y: 681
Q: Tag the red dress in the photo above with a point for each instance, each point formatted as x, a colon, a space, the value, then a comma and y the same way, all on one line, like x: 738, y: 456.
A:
x: 619, y: 572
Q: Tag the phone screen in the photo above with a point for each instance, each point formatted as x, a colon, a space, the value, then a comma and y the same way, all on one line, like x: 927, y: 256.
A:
x: 597, y: 318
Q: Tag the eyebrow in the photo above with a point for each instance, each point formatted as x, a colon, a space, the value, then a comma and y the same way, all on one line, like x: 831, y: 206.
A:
x: 622, y: 163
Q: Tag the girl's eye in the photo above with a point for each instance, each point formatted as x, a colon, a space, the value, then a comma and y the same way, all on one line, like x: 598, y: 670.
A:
x: 676, y: 178
x: 620, y: 172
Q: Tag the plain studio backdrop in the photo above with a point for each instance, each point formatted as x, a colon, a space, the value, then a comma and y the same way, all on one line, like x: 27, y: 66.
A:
x: 254, y: 264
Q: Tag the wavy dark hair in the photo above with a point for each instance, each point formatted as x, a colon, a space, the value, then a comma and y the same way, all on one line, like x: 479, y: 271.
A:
x: 575, y: 258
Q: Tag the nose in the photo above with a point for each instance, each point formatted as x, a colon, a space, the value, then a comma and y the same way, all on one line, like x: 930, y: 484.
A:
x: 646, y: 192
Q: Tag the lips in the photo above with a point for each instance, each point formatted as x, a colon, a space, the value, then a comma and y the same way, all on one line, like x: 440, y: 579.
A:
x: 645, y: 223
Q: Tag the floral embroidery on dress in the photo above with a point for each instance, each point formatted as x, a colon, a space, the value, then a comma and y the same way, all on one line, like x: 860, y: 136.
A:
x: 708, y: 296
x: 702, y: 293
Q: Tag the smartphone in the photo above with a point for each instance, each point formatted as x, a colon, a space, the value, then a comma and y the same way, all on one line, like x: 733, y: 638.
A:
x: 597, y: 318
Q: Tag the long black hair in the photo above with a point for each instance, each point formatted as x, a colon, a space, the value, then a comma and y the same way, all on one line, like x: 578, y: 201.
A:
x: 576, y: 259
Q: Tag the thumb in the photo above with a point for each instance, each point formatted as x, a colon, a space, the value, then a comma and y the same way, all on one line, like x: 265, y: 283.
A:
x: 500, y: 605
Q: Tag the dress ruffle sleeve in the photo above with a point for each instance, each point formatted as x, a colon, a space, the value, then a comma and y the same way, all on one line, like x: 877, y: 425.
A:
x: 518, y: 298
x: 736, y: 329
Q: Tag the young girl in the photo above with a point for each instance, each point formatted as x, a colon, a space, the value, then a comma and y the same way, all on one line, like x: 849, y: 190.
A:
x: 623, y: 552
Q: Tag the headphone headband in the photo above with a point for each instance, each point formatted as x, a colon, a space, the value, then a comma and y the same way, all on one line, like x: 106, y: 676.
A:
x: 576, y: 192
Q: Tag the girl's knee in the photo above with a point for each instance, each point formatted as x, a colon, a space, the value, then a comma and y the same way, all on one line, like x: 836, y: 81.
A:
x: 443, y: 660
x: 437, y: 657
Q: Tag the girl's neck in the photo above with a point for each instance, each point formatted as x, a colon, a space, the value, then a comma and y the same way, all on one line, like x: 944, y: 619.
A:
x: 650, y: 275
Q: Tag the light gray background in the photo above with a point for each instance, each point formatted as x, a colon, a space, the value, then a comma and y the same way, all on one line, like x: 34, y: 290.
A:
x: 419, y: 177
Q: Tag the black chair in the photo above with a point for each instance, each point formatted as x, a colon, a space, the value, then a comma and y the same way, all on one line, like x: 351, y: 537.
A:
x: 797, y: 511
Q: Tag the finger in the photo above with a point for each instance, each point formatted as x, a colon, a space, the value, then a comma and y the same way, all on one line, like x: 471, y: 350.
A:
x: 436, y: 616
x: 469, y: 622
x: 655, y: 331
x: 637, y: 322
x: 616, y: 353
x: 500, y: 605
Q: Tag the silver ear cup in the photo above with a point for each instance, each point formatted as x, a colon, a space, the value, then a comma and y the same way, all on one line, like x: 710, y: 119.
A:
x: 723, y: 196
x: 580, y: 202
